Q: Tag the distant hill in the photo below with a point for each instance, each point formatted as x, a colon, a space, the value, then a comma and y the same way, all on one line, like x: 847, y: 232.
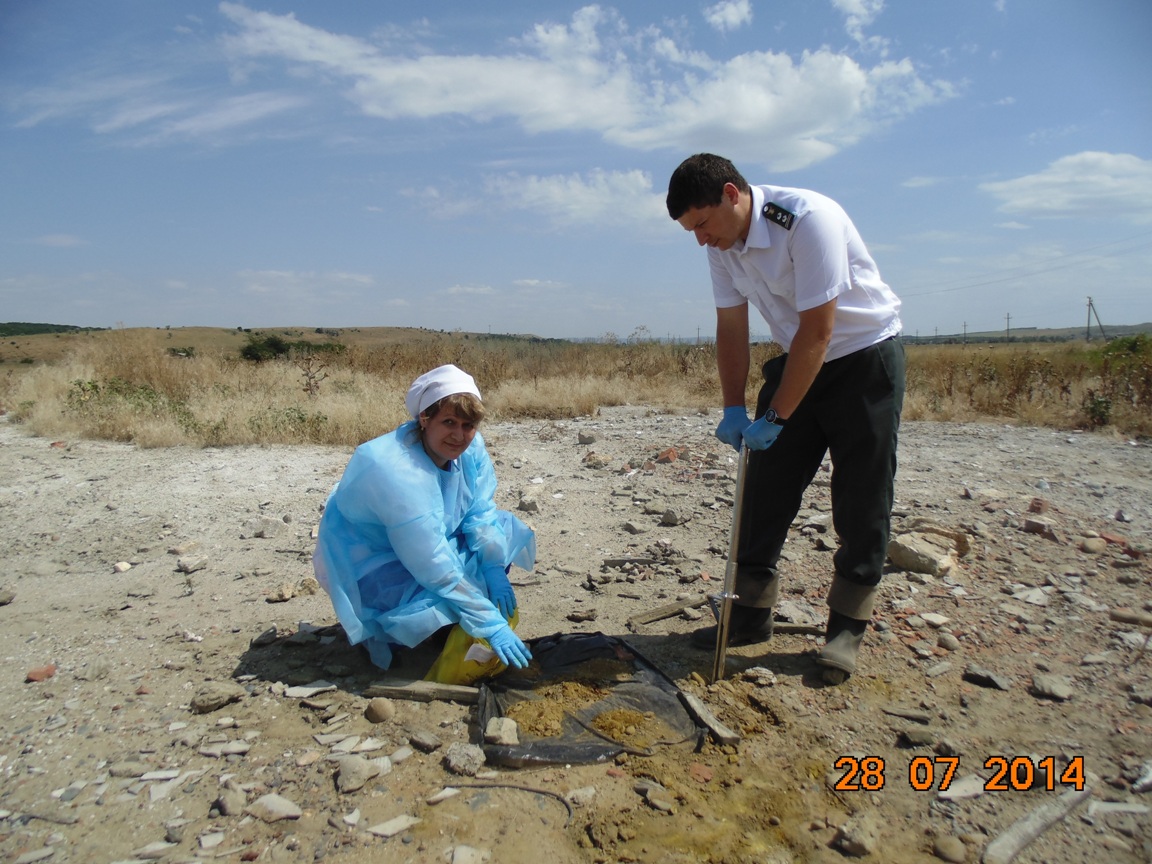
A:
x: 19, y: 328
x: 375, y: 335
x: 1034, y: 334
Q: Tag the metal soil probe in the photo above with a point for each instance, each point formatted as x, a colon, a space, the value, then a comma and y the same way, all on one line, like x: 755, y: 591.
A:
x: 724, y: 610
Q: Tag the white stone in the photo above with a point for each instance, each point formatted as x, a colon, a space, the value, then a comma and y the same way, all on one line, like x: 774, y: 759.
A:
x: 469, y: 855
x: 502, y: 730
x: 347, y: 745
x: 1034, y: 596
x: 273, y: 808
x: 581, y: 797
x: 153, y: 851
x: 394, y: 826
x: 167, y: 774
x: 309, y: 690
x: 443, y: 795
x: 368, y: 745
x: 401, y: 754
x: 330, y: 739
x: 971, y: 786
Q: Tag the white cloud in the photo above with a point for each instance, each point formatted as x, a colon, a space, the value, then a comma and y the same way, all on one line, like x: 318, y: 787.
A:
x: 441, y: 205
x: 729, y: 14
x: 229, y: 115
x: 921, y: 182
x: 296, y: 283
x: 538, y: 284
x: 564, y: 83
x: 859, y: 14
x: 59, y: 241
x: 136, y: 113
x: 602, y: 198
x: 86, y: 94
x: 1083, y: 185
x: 785, y: 115
x: 1043, y: 136
x: 481, y: 290
x: 146, y: 106
x: 1012, y: 226
x: 638, y: 90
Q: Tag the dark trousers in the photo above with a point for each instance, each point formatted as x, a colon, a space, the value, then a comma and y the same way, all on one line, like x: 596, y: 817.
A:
x: 852, y: 411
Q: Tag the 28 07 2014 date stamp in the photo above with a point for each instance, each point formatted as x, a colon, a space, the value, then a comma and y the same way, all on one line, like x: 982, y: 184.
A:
x: 870, y: 773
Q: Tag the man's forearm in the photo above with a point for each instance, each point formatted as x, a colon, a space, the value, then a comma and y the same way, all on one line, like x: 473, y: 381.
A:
x: 800, y: 370
x: 732, y: 353
x: 805, y: 359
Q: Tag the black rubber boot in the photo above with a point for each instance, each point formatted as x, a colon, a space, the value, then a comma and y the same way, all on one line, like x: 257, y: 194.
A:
x: 842, y: 643
x: 746, y: 626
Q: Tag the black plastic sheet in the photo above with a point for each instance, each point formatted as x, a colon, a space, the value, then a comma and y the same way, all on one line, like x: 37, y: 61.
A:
x: 613, y: 679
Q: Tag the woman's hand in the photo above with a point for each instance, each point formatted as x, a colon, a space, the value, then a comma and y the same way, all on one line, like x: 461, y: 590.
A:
x: 509, y: 648
x: 500, y: 590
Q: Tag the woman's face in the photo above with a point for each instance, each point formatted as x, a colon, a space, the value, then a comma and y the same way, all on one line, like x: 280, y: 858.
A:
x: 446, y: 436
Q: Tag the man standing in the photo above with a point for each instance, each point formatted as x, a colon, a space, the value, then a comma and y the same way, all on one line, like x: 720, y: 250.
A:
x: 839, y: 387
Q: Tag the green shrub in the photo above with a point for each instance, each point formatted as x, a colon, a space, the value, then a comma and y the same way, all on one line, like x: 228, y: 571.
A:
x: 272, y: 347
x: 1097, y: 408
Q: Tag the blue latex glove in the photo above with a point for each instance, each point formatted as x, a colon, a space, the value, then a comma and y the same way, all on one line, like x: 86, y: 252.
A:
x: 509, y: 648
x: 500, y: 590
x: 731, y: 428
x: 761, y: 434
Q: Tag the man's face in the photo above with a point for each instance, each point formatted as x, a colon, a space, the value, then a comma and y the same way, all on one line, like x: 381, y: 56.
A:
x: 721, y: 225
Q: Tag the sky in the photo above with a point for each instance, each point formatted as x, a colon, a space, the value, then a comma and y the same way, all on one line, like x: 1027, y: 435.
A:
x: 502, y: 167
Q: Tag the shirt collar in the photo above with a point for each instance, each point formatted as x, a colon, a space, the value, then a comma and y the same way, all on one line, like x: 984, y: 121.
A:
x: 758, y: 235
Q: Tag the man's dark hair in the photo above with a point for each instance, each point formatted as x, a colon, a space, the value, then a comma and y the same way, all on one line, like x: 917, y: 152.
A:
x: 699, y: 182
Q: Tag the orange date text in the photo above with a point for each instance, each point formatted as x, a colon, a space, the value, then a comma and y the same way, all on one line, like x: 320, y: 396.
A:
x: 923, y: 773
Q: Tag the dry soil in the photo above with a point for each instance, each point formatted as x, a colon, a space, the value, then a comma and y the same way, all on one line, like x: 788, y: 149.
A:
x: 136, y: 580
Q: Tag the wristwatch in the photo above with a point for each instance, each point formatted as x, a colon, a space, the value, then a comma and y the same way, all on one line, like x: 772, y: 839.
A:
x: 772, y: 417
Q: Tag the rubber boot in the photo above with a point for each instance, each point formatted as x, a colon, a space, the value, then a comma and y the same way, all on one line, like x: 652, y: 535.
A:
x: 849, y: 609
x: 747, y: 625
x: 841, y: 643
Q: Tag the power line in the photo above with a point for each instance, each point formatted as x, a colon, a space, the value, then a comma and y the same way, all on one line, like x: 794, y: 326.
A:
x: 1011, y: 273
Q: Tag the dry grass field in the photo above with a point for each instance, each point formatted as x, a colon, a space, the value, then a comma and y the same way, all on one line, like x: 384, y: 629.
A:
x: 215, y: 386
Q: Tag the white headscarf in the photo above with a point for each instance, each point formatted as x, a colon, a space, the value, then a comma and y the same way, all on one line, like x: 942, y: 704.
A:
x: 433, y: 386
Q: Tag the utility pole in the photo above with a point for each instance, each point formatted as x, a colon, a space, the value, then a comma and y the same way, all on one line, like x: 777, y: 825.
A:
x: 1008, y: 327
x: 1092, y: 313
x: 965, y: 332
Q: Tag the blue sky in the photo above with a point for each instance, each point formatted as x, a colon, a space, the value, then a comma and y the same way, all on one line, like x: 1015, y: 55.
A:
x: 502, y: 167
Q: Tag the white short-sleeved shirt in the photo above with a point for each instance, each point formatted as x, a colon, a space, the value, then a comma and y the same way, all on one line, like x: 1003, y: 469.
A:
x: 802, y: 251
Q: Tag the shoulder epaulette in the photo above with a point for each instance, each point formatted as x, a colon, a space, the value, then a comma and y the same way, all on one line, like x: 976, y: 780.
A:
x: 776, y: 213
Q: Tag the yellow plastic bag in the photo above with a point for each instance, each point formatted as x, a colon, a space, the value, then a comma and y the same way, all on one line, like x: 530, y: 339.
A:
x: 466, y: 659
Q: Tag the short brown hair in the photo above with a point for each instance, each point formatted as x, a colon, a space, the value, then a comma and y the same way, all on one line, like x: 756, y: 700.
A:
x: 464, y: 405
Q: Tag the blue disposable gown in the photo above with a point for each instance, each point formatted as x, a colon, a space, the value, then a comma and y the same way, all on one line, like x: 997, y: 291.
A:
x: 402, y: 543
